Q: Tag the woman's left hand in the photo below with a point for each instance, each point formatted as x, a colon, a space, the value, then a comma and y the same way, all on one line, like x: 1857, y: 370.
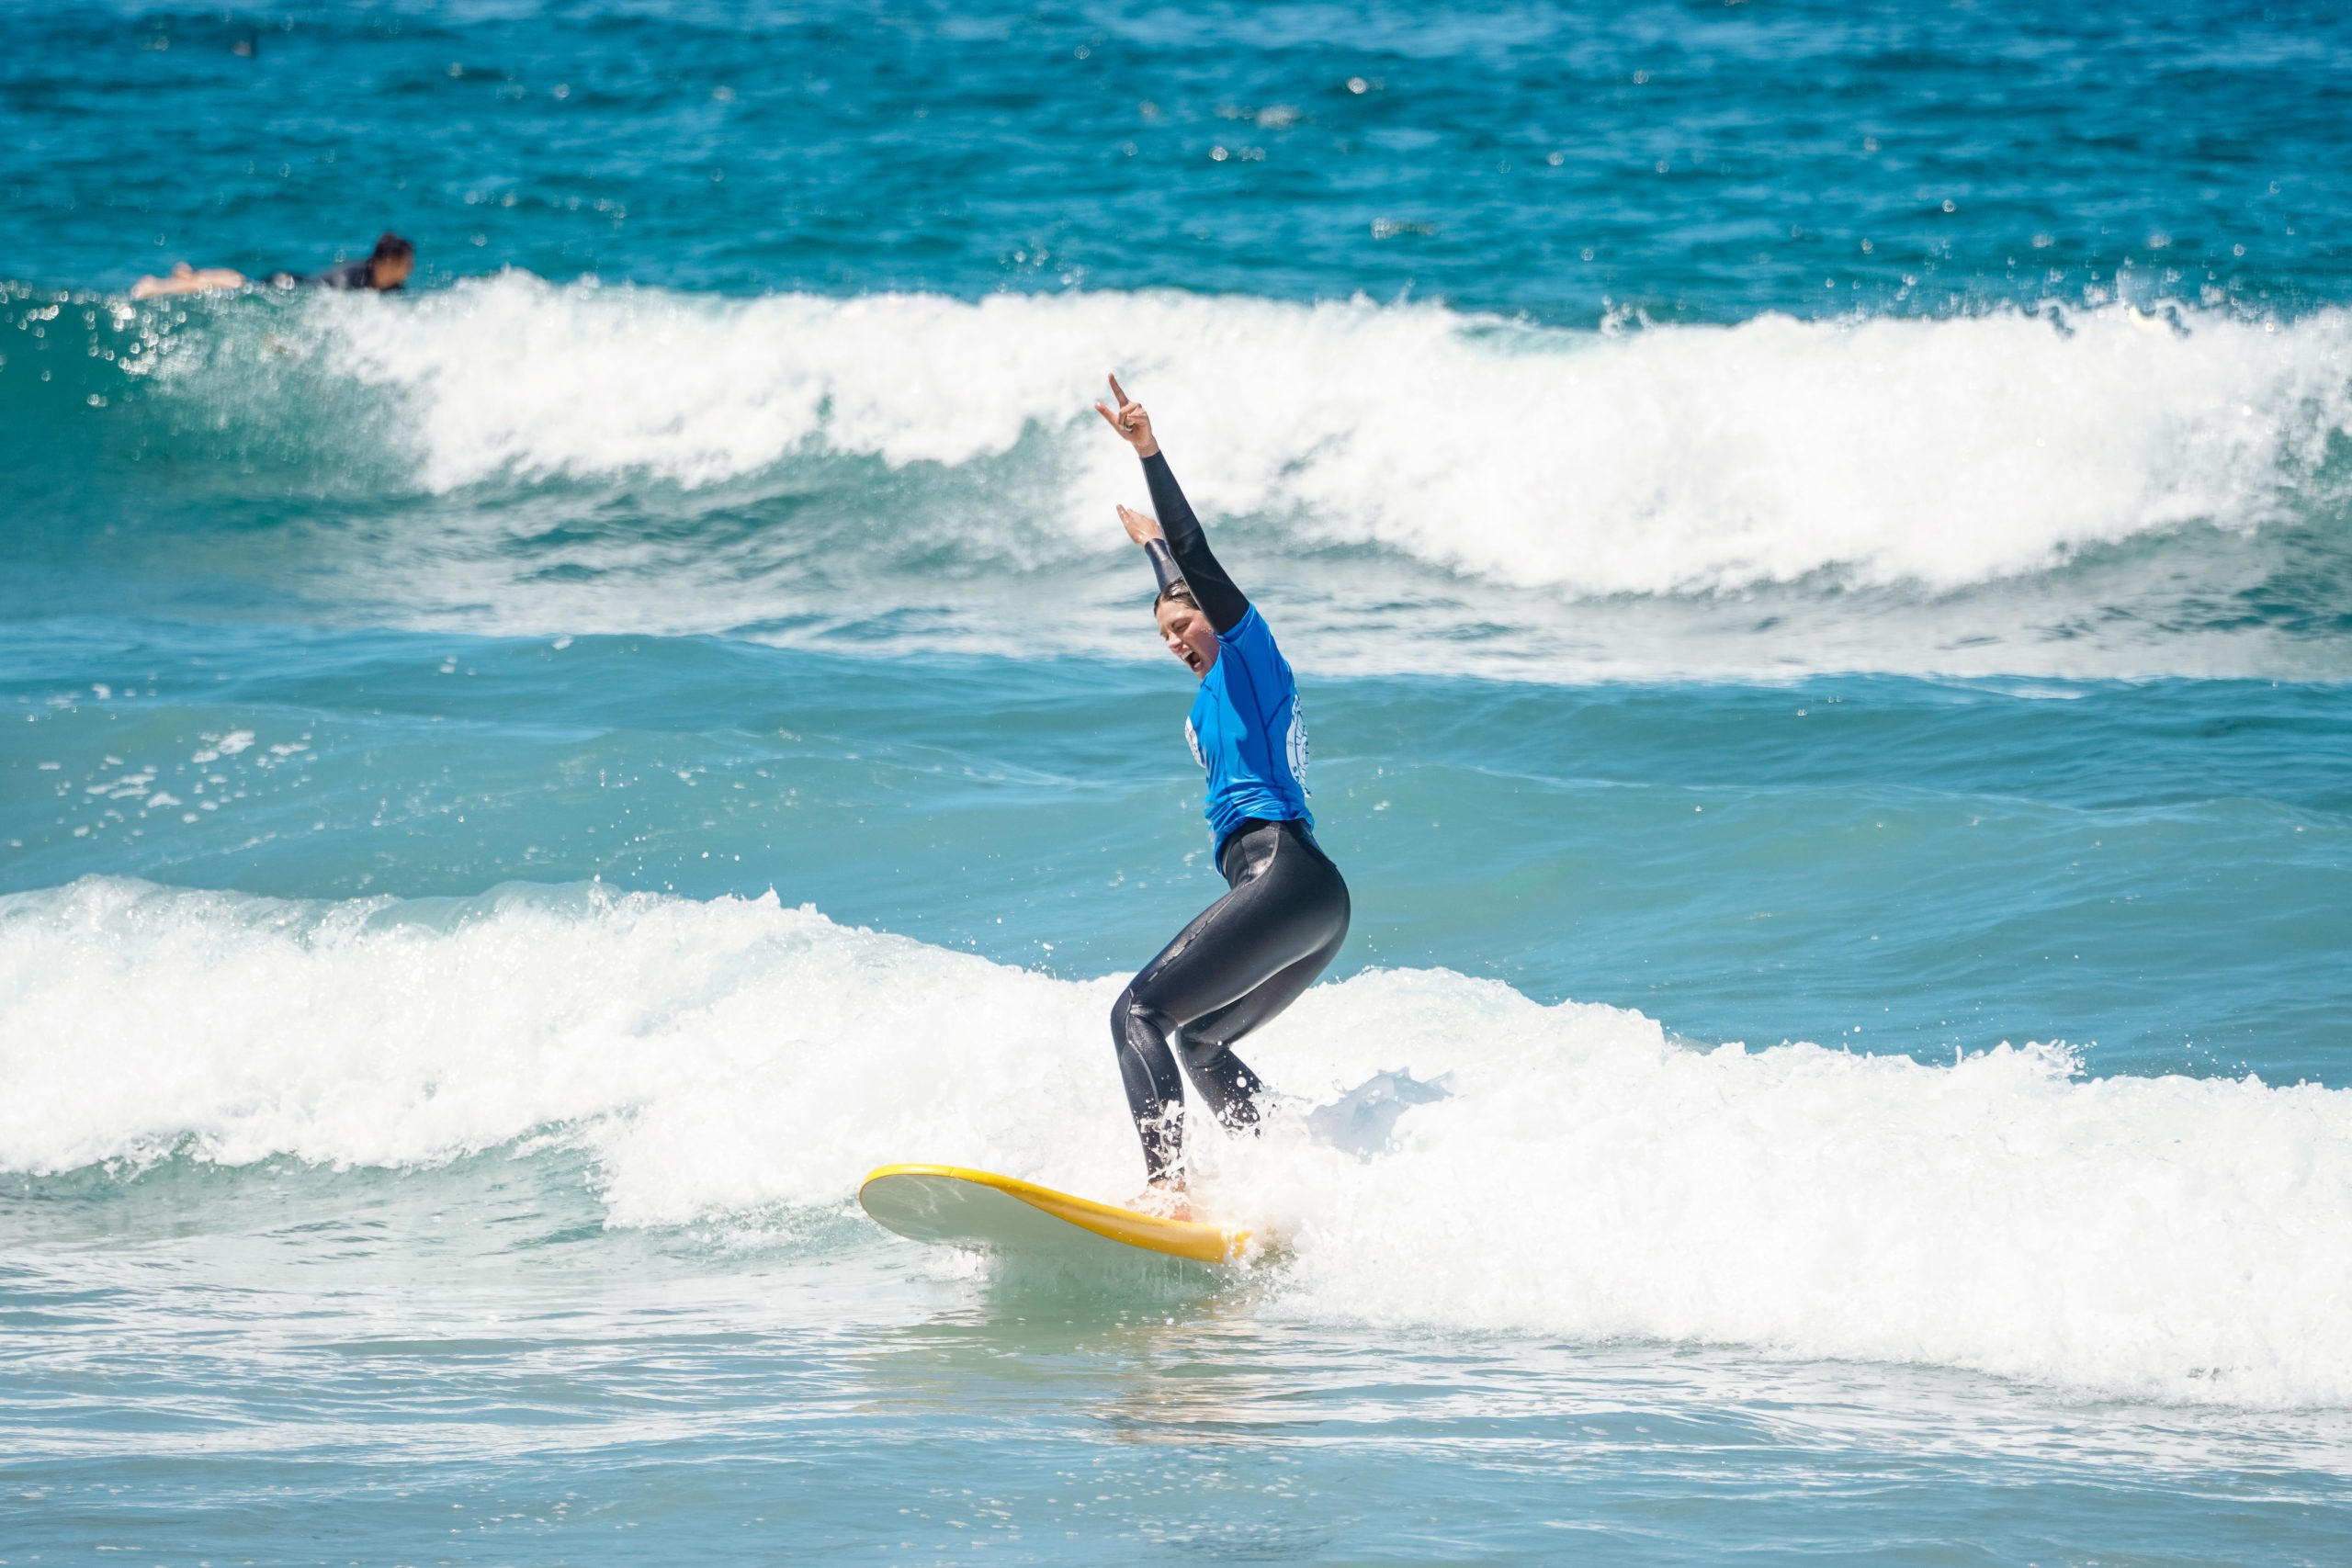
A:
x: 1142, y: 529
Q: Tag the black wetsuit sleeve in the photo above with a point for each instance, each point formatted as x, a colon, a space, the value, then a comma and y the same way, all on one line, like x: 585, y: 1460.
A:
x: 343, y: 275
x: 1165, y: 573
x: 1219, y: 600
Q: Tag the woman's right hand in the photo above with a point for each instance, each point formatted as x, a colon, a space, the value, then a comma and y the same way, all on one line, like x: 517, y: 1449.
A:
x: 1133, y: 425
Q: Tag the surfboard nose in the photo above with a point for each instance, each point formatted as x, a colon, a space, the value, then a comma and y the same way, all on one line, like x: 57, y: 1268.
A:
x: 952, y: 1206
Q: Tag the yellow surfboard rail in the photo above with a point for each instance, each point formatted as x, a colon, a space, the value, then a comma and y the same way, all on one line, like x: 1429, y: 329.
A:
x: 1202, y: 1242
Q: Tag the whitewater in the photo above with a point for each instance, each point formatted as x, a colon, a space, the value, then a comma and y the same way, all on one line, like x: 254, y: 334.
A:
x: 2018, y: 490
x: 1585, y: 1174
x: 1621, y: 461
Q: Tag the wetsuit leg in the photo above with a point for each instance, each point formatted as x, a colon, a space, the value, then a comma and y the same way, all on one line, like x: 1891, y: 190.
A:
x: 1205, y: 1045
x: 1240, y: 962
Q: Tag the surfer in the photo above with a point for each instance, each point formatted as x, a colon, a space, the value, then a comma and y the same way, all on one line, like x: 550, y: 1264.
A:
x: 385, y: 268
x: 1249, y: 955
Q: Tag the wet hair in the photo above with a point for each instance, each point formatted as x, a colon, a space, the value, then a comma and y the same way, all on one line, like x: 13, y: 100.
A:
x: 1174, y: 593
x: 391, y: 247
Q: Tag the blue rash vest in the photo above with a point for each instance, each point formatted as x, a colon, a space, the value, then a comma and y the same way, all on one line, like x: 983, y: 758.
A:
x: 1244, y: 729
x: 1245, y: 732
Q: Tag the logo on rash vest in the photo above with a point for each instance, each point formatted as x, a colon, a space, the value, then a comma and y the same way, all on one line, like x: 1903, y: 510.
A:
x: 1298, y: 747
x: 1193, y: 740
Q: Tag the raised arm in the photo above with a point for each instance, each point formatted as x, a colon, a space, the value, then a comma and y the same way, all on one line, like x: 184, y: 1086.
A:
x: 1219, y: 598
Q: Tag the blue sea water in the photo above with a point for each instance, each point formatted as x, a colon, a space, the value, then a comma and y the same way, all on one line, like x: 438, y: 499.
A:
x: 1817, y: 542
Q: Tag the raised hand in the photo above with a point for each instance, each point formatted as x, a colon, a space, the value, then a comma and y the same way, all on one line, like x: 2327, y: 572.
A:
x: 1133, y: 425
x: 1143, y: 530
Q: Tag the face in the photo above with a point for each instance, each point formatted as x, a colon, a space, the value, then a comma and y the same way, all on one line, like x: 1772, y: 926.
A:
x: 1189, y: 636
x: 391, y: 272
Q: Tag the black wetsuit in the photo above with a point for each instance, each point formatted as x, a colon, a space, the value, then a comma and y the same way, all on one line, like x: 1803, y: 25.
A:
x: 359, y: 274
x: 1247, y: 956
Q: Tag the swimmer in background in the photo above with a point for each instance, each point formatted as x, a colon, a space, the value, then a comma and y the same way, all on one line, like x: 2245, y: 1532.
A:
x: 385, y: 268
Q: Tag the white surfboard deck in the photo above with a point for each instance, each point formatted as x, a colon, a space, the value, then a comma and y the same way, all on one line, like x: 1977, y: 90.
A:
x: 954, y: 1206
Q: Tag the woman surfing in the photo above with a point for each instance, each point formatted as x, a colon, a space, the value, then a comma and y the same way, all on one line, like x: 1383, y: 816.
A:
x: 1249, y: 955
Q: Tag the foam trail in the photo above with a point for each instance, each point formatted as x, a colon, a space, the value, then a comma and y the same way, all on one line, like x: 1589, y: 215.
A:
x: 1586, y: 1177
x: 1670, y: 459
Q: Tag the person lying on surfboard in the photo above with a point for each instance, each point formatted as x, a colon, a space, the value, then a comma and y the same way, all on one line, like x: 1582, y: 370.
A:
x: 1249, y: 955
x: 384, y: 269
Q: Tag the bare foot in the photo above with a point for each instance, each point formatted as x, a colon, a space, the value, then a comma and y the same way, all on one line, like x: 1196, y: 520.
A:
x: 1163, y: 1200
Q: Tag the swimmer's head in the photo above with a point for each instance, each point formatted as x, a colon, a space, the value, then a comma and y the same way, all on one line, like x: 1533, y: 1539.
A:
x: 390, y: 263
x: 1184, y: 628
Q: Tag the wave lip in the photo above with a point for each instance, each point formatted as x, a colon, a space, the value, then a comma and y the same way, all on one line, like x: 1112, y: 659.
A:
x: 1664, y: 460
x: 1586, y: 1178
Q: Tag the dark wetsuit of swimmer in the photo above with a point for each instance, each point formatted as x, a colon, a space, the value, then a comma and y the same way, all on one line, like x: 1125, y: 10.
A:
x: 1249, y: 954
x: 359, y: 274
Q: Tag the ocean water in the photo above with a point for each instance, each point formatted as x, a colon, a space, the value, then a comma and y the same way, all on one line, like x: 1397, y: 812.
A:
x: 1817, y: 542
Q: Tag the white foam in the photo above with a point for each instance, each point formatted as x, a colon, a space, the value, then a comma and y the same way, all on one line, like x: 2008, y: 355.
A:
x: 1668, y: 459
x: 721, y: 1054
x: 1588, y: 1178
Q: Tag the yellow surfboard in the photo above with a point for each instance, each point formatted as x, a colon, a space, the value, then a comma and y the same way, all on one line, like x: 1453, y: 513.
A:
x: 978, y: 1208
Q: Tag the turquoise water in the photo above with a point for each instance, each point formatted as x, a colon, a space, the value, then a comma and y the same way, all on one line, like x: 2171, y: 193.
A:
x: 513, y: 797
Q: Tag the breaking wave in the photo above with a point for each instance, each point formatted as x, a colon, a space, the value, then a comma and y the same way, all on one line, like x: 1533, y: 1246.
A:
x: 1586, y: 1175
